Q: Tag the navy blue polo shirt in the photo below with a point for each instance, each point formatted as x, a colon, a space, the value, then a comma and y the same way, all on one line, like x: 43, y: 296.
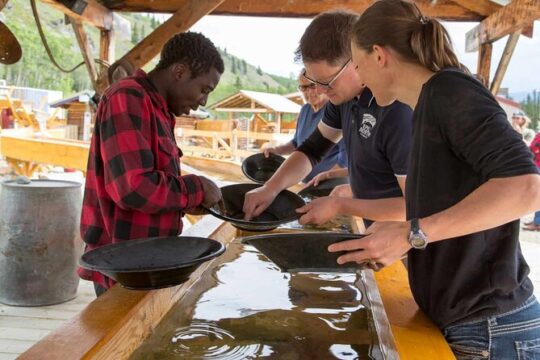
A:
x: 305, y: 125
x: 377, y: 140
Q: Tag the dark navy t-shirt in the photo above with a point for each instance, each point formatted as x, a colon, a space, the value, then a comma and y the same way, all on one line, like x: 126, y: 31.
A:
x: 307, y: 122
x: 377, y: 140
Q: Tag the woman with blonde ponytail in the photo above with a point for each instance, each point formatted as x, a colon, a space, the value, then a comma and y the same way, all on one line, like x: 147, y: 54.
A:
x: 470, y: 179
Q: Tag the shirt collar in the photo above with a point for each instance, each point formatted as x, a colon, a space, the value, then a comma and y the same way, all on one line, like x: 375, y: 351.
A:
x: 142, y: 78
x: 366, y: 98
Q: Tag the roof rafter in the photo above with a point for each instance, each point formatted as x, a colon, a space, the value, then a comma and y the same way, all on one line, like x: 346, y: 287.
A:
x: 92, y: 13
x: 443, y: 9
x: 517, y: 15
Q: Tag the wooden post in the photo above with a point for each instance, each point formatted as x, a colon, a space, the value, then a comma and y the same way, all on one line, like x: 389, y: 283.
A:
x: 106, y: 54
x: 234, y: 144
x: 80, y: 34
x: 505, y: 60
x: 484, y: 63
x: 188, y: 13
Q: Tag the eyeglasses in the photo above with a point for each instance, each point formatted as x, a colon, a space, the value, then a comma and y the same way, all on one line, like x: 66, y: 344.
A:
x: 306, y: 87
x: 327, y: 85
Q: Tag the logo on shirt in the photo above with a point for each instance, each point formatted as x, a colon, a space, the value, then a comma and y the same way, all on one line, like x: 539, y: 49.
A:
x: 368, y: 123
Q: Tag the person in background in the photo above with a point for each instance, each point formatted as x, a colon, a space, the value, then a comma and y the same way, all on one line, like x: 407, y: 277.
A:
x: 520, y: 123
x: 470, y: 179
x: 308, y: 119
x: 377, y: 138
x: 133, y: 185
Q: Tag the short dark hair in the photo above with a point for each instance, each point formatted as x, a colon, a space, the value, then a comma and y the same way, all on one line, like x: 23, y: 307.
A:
x: 327, y: 38
x: 193, y: 49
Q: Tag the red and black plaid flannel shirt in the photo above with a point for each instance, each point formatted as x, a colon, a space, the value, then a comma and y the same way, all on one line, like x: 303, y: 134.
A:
x: 133, y: 184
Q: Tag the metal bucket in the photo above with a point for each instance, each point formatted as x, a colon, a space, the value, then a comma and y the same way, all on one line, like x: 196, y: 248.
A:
x: 39, y: 242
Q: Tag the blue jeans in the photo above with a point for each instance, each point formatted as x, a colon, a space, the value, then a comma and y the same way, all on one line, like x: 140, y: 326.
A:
x: 537, y: 218
x: 512, y: 335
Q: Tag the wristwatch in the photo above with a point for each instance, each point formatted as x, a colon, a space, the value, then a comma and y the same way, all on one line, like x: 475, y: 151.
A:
x: 417, y: 238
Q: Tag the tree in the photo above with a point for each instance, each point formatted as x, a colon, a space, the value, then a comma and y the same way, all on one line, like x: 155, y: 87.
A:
x: 238, y: 83
x: 259, y: 71
x: 531, y: 106
x: 244, y: 67
x: 135, y: 34
x: 233, y: 68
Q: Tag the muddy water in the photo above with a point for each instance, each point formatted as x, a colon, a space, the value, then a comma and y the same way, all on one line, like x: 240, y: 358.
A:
x: 245, y: 308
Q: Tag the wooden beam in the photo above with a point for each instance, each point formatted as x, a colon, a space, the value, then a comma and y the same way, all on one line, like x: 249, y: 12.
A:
x: 481, y: 7
x: 93, y: 13
x: 515, y: 16
x: 186, y: 15
x: 86, y: 52
x: 3, y: 3
x: 106, y: 54
x: 443, y: 9
x: 106, y: 46
x: 484, y: 63
x: 244, y: 110
x: 505, y: 60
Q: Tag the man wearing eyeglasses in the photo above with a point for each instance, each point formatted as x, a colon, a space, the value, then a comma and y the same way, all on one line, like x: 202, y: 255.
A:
x: 308, y: 119
x: 377, y: 139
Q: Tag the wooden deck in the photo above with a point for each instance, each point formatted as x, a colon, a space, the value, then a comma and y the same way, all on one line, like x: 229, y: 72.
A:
x: 21, y: 327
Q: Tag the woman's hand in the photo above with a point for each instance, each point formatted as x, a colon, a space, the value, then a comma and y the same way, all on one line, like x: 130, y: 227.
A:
x: 385, y: 242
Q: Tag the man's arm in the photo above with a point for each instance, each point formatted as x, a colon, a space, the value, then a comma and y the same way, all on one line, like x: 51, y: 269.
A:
x: 294, y: 169
x: 131, y: 179
x: 284, y: 149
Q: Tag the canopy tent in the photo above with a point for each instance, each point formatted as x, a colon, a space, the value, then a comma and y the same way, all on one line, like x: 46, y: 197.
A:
x: 497, y: 19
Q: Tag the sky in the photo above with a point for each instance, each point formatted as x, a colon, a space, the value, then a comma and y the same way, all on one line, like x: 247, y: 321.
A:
x: 270, y: 43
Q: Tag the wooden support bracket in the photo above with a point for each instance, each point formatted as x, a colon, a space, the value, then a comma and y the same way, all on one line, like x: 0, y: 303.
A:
x: 84, y: 45
x: 185, y: 17
x: 517, y: 15
x: 505, y: 60
x: 92, y: 12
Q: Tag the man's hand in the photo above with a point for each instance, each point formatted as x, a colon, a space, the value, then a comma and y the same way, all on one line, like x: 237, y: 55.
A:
x: 384, y: 243
x: 343, y: 191
x: 268, y: 149
x: 257, y: 200
x: 325, y: 175
x: 319, y: 210
x: 212, y: 194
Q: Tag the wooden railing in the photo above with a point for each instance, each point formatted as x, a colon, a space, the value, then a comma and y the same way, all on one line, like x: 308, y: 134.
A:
x: 224, y: 144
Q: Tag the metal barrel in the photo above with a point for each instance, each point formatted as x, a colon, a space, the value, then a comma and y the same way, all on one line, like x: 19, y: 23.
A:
x: 39, y: 241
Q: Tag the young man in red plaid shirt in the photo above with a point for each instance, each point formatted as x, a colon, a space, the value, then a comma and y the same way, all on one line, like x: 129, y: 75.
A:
x: 133, y: 184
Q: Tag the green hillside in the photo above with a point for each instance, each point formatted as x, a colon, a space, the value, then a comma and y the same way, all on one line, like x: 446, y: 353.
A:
x: 36, y: 70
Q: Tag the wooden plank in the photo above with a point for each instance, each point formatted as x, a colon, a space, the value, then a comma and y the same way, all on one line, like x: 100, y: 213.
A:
x: 67, y: 154
x: 82, y: 40
x: 505, y: 60
x: 186, y: 15
x: 484, y: 63
x: 20, y: 322
x: 22, y: 334
x: 444, y: 9
x: 517, y: 15
x: 411, y: 328
x: 15, y: 346
x: 244, y: 110
x: 481, y: 7
x: 94, y: 13
x: 6, y: 356
x: 113, y: 325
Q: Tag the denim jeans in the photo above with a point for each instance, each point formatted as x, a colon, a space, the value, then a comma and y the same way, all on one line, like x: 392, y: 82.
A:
x: 512, y: 335
x: 536, y: 218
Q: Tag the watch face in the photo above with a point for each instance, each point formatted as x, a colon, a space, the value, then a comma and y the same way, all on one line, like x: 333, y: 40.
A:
x: 418, y: 241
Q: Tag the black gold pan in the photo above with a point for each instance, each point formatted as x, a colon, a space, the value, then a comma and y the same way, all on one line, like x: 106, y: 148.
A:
x: 10, y: 49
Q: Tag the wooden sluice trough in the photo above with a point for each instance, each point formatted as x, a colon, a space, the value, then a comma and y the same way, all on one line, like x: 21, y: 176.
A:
x: 114, y: 325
